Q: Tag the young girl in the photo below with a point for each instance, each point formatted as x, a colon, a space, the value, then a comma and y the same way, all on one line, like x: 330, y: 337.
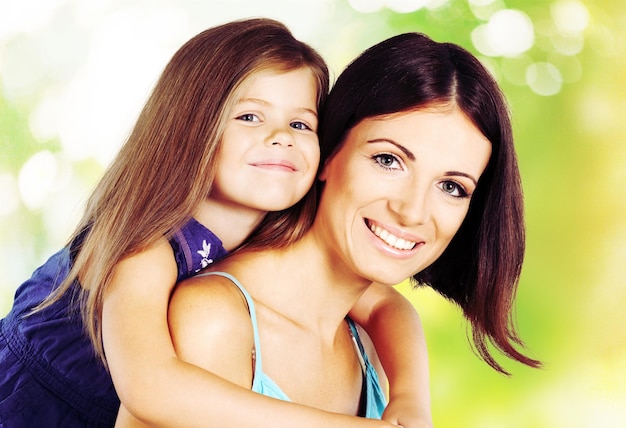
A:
x: 165, y: 209
x: 420, y: 181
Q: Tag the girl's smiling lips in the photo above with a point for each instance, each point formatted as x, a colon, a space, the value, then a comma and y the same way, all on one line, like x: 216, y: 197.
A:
x: 276, y: 164
x: 393, y: 238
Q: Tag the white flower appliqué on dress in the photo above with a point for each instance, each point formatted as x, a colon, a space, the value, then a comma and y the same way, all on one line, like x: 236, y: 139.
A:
x: 204, y: 252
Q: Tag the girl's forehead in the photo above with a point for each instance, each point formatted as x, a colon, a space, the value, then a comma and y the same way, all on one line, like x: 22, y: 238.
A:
x: 264, y: 73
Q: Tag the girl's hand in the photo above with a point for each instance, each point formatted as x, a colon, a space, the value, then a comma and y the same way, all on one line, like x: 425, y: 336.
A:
x: 403, y: 412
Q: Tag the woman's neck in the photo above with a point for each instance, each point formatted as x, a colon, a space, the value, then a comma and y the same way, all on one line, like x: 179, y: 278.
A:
x: 302, y: 282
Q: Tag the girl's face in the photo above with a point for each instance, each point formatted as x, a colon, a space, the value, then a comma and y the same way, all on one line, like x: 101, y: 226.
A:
x: 270, y: 151
x: 398, y: 190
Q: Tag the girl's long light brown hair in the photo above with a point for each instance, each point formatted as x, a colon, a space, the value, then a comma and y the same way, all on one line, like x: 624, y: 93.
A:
x: 167, y: 165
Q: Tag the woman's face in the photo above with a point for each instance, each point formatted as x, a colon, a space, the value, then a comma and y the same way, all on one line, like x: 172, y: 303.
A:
x: 398, y: 190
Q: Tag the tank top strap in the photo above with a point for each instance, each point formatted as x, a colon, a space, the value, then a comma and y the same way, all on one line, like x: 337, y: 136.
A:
x: 373, y: 401
x: 358, y: 345
x: 256, y: 351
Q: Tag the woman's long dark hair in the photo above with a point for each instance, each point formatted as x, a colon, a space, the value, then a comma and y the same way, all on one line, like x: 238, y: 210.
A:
x: 481, y: 267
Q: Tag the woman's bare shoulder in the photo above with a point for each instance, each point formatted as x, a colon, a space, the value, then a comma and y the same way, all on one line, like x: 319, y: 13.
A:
x: 209, y: 297
x: 206, y: 314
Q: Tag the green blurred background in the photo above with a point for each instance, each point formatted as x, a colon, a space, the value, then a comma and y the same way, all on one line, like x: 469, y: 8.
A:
x: 74, y: 74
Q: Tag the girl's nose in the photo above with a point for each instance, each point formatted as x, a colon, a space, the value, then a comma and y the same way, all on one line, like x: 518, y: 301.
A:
x: 281, y: 137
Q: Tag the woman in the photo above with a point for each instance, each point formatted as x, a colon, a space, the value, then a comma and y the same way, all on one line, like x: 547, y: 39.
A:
x: 421, y: 181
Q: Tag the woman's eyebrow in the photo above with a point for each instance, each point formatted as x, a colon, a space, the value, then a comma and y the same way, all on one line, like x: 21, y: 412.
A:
x: 462, y: 174
x: 404, y: 150
x: 411, y: 157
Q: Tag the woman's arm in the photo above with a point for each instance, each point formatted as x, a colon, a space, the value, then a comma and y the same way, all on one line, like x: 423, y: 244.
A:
x: 159, y: 389
x: 396, y: 331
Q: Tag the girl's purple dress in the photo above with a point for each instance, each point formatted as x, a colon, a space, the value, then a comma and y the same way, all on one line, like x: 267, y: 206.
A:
x: 49, y: 374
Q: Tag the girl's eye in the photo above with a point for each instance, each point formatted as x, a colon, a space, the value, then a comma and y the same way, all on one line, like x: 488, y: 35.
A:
x: 249, y: 117
x: 300, y: 125
x: 454, y: 189
x: 387, y: 161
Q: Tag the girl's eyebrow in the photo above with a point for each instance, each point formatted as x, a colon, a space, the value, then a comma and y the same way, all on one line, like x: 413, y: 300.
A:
x: 411, y: 157
x: 307, y: 110
x: 263, y: 102
x: 404, y: 150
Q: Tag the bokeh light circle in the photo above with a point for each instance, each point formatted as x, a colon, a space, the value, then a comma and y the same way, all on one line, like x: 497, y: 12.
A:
x: 508, y: 33
x: 367, y: 6
x: 544, y: 78
x: 8, y: 194
x: 406, y: 6
x: 570, y: 16
x: 36, y: 179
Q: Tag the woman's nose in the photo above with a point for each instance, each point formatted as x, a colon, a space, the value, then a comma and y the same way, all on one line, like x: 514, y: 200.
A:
x: 411, y: 204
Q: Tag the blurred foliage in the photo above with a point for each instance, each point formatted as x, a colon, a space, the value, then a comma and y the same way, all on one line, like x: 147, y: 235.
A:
x: 572, y: 154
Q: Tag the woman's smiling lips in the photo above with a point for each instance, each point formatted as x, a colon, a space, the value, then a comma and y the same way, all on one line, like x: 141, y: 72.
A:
x: 395, y: 240
x: 276, y: 164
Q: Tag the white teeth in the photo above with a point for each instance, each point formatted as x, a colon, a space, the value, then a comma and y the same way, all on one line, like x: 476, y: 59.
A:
x: 392, y: 240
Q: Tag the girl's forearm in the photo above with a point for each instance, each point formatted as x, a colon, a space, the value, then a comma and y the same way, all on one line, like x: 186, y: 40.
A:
x: 399, y: 340
x: 188, y: 396
x: 396, y: 331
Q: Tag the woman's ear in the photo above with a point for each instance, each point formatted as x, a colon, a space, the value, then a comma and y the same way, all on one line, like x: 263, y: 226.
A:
x: 322, y: 175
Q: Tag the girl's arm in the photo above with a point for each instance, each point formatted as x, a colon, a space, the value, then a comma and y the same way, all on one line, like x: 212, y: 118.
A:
x: 396, y: 331
x: 159, y: 389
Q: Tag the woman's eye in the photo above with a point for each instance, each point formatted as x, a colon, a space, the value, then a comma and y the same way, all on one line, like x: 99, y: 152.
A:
x: 300, y: 125
x: 249, y: 117
x: 454, y: 189
x: 387, y: 161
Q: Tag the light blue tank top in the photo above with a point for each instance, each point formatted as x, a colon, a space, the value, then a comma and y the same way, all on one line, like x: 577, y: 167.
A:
x: 373, y: 400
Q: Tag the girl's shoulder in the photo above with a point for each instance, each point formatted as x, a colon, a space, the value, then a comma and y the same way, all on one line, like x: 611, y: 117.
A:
x: 195, y: 247
x: 156, y: 261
